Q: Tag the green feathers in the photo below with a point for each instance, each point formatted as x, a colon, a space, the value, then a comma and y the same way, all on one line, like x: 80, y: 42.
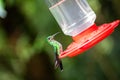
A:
x: 57, y: 50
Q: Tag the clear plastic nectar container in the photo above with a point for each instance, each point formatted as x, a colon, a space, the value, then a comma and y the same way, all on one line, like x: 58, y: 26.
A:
x: 73, y: 16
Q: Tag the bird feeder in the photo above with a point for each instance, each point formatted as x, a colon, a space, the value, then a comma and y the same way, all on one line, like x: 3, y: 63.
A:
x: 76, y: 19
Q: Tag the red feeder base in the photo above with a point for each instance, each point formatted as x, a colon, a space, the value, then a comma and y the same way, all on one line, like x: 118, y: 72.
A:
x: 89, y: 38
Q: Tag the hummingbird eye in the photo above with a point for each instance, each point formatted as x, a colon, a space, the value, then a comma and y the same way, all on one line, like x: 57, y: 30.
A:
x: 49, y: 38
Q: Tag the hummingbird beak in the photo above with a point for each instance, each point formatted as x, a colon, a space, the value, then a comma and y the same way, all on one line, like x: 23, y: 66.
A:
x: 55, y: 34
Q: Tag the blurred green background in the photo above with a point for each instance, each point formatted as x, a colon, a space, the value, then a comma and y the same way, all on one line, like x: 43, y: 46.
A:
x: 26, y: 55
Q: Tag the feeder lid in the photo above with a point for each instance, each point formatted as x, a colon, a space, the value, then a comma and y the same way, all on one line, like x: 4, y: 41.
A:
x: 89, y: 38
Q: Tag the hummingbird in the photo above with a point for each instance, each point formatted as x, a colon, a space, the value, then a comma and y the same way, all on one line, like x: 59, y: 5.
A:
x: 57, y: 50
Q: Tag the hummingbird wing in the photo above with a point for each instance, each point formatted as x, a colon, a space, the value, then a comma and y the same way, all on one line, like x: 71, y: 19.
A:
x: 58, y: 62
